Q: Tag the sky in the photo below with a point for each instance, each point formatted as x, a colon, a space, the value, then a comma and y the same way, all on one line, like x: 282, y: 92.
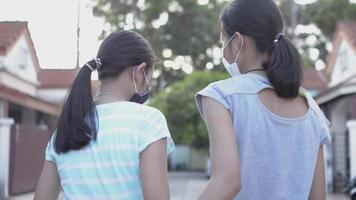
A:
x: 53, y: 24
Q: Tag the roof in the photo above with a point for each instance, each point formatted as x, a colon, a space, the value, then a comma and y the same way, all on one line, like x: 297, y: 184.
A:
x: 28, y: 101
x: 57, y: 78
x: 10, y: 32
x: 348, y: 30
x: 345, y: 31
x: 314, y: 80
x: 347, y: 87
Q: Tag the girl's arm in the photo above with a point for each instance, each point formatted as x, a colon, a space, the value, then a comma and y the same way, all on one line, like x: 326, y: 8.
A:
x: 317, y: 191
x: 225, y: 182
x: 49, y: 184
x: 154, y: 172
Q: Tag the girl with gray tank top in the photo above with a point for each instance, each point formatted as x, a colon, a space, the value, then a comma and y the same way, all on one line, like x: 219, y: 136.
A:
x: 266, y: 132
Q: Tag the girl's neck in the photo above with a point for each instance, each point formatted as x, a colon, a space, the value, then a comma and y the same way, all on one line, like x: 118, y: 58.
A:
x: 105, y: 98
x: 110, y: 91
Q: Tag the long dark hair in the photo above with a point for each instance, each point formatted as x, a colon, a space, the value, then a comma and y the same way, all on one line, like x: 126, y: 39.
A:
x: 78, y: 124
x: 263, y: 22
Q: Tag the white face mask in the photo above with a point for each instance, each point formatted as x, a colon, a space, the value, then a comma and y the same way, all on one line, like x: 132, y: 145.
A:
x: 233, y: 68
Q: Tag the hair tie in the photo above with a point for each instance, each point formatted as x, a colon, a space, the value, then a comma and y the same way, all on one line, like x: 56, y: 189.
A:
x: 278, y: 37
x: 94, y: 64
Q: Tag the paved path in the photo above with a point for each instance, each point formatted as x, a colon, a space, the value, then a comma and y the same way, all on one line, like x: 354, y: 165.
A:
x: 183, y: 186
x: 186, y: 185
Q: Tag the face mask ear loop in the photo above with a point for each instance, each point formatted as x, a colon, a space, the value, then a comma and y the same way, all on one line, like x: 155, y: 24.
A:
x: 133, y: 76
x: 242, y: 44
x: 148, y: 87
x: 227, y: 43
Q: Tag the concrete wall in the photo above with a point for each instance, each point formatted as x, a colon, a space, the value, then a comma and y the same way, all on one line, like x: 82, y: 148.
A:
x: 185, y: 157
x: 4, y: 108
x: 198, y: 159
x: 5, y: 124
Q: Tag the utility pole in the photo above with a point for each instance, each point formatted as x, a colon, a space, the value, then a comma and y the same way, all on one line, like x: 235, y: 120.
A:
x: 294, y: 18
x: 78, y: 33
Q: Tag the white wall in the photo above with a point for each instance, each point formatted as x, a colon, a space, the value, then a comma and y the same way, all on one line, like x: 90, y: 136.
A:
x: 19, y: 61
x: 12, y: 81
x: 56, y: 96
x: 352, y: 141
x: 2, y: 61
x: 5, y: 124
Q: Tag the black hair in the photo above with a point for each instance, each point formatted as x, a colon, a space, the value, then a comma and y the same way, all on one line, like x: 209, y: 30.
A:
x: 78, y: 122
x: 263, y: 22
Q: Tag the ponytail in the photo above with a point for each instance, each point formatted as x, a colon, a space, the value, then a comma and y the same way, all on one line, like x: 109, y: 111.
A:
x: 77, y: 124
x: 263, y: 22
x: 284, y: 70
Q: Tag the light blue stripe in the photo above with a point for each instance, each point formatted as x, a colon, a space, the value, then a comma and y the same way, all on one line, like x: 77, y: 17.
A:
x: 94, y: 173
x: 116, y: 138
x: 99, y: 189
x: 113, y: 123
x: 85, y: 157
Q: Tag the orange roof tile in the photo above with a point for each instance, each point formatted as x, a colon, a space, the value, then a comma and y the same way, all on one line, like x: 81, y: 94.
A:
x: 313, y: 80
x: 57, y: 78
x: 10, y: 32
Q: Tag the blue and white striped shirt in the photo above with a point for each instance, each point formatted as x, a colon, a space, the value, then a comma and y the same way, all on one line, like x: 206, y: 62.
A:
x: 109, y: 168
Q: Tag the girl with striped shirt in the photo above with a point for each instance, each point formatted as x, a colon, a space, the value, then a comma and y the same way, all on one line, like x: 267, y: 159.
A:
x: 113, y: 147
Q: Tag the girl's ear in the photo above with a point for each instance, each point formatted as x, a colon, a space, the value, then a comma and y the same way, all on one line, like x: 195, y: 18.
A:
x: 138, y: 69
x: 139, y: 78
x: 141, y: 67
x: 238, y: 34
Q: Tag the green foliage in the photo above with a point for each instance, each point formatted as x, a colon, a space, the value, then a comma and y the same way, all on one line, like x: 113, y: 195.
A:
x: 191, y: 28
x: 327, y: 13
x: 178, y: 105
x: 189, y: 32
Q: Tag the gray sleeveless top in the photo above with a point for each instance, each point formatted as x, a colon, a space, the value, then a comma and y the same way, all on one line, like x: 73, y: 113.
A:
x: 278, y: 155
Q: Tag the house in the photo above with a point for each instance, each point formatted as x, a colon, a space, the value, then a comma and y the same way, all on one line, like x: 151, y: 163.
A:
x: 338, y: 102
x: 30, y: 102
x: 55, y: 83
x: 314, y: 81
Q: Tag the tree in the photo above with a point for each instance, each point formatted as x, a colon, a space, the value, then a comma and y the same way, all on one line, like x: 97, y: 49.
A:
x: 183, y: 33
x: 325, y: 14
x: 178, y: 105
